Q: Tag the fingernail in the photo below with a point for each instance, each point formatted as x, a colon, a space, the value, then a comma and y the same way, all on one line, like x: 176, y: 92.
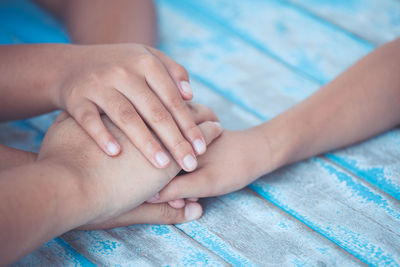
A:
x: 186, y: 88
x: 199, y: 146
x: 190, y: 162
x: 154, y: 198
x: 112, y: 148
x: 162, y: 159
x: 192, y: 211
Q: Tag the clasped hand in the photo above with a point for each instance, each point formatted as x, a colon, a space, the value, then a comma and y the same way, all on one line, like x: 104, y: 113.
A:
x: 115, y: 187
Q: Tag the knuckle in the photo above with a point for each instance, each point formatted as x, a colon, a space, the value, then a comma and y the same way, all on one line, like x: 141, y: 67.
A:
x: 151, y: 145
x: 116, y: 71
x: 192, y: 131
x: 148, y: 61
x: 180, y: 71
x: 127, y: 115
x: 177, y: 103
x: 182, y: 146
x: 160, y: 115
x: 167, y: 213
x: 146, y: 96
x: 85, y: 117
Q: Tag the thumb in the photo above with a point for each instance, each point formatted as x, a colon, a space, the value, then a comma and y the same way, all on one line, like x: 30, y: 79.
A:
x: 210, y: 130
x: 151, y: 214
x: 196, y: 184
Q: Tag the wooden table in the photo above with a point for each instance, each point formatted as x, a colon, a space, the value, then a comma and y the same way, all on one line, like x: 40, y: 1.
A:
x: 250, y: 60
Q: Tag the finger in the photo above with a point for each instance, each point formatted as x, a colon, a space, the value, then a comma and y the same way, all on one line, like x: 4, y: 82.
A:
x: 88, y: 117
x: 197, y: 184
x: 161, y: 122
x: 193, y: 199
x: 123, y: 114
x: 160, y: 82
x: 177, y: 72
x: 210, y: 130
x: 151, y: 214
x: 201, y: 113
x: 177, y: 203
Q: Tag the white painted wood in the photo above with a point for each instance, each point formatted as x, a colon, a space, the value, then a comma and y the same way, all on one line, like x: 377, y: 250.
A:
x: 377, y: 21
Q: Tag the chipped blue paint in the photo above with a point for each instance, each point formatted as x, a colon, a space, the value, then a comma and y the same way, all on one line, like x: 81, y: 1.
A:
x: 160, y: 229
x: 206, y: 12
x: 101, y: 245
x: 78, y: 258
x: 382, y: 15
x: 211, y: 241
x: 353, y: 243
x: 373, y: 175
x: 206, y: 17
x: 358, y: 188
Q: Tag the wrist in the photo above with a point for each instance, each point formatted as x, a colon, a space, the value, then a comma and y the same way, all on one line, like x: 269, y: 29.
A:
x: 59, y: 77
x: 274, y: 144
x: 65, y: 188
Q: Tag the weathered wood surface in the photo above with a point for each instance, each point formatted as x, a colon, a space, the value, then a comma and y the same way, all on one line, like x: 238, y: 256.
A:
x: 377, y: 21
x: 250, y: 61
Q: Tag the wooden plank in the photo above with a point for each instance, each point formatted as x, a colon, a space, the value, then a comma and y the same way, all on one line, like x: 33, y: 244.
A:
x: 315, y: 49
x: 55, y: 253
x: 141, y: 245
x: 376, y: 161
x: 377, y: 21
x: 340, y: 207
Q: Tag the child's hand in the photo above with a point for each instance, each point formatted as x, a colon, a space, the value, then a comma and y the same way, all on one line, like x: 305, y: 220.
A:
x: 229, y: 165
x: 136, y: 86
x: 111, y: 186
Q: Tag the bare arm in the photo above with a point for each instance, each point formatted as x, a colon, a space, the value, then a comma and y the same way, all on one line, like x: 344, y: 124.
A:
x: 360, y: 103
x: 11, y: 157
x: 104, y: 21
x: 37, y: 202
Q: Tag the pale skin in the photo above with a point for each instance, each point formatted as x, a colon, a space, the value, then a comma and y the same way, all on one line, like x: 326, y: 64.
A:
x: 357, y: 105
x: 65, y: 187
x: 135, y: 85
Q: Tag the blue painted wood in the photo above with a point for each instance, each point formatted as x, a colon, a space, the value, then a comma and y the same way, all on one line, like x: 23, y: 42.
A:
x: 377, y: 21
x: 307, y: 45
x: 56, y: 252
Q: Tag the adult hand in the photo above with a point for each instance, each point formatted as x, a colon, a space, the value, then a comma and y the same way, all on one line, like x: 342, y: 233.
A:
x: 135, y: 86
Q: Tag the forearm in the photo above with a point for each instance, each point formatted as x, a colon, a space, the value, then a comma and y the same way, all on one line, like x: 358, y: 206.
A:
x: 29, y: 75
x: 360, y: 103
x: 11, y: 157
x: 37, y: 202
x: 104, y: 21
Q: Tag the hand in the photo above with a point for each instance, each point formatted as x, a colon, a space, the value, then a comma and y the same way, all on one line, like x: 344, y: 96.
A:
x: 113, y: 185
x: 133, y: 85
x: 229, y: 165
